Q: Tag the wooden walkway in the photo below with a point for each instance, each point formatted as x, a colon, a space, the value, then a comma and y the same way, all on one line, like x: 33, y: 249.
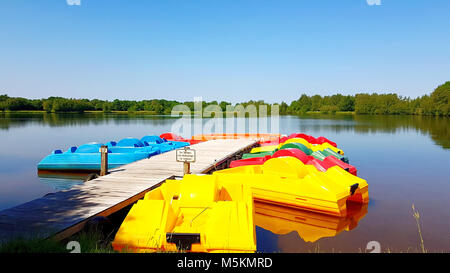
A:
x: 64, y: 213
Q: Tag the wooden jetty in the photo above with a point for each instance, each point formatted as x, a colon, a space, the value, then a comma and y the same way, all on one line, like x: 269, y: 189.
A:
x: 64, y: 213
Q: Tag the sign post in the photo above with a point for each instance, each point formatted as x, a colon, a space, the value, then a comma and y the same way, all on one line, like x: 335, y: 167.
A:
x: 187, y: 156
x: 104, y: 160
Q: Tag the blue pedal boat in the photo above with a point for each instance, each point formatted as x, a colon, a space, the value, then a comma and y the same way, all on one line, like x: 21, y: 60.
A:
x: 147, y: 143
x: 86, y: 158
x: 164, y: 144
x: 132, y: 145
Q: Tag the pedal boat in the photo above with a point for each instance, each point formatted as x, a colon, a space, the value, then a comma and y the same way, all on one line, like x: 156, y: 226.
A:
x: 310, y: 139
x: 164, y: 144
x: 321, y: 165
x: 287, y: 181
x: 196, y: 214
x: 321, y: 155
x: 174, y: 137
x: 87, y: 158
x: 312, y: 147
x: 153, y: 143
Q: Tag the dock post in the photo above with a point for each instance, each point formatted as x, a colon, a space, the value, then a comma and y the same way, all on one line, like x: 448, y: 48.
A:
x: 186, y: 168
x: 104, y: 160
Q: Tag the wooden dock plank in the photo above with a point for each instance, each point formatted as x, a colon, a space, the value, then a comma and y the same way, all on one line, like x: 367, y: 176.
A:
x: 63, y: 213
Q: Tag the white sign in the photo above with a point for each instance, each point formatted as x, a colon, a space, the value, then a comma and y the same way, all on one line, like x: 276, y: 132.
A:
x: 185, y: 155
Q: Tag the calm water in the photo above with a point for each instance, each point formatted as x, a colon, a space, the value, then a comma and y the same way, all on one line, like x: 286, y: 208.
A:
x: 404, y: 159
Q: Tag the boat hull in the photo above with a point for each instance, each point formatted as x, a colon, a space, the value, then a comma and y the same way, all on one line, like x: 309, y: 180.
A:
x: 88, y: 161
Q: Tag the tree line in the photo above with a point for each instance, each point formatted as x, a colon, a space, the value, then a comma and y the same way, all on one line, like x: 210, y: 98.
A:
x: 437, y: 103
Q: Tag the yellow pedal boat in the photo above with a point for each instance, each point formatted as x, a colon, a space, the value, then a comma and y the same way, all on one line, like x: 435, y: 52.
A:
x: 287, y: 181
x: 196, y: 214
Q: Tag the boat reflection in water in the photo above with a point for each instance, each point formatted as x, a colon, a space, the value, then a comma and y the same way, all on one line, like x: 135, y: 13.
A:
x: 309, y: 226
x: 62, y: 180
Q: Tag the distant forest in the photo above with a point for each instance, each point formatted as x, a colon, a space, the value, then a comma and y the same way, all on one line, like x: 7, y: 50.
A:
x: 436, y: 104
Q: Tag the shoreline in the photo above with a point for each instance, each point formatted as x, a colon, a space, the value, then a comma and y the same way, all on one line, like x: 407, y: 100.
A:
x: 153, y: 113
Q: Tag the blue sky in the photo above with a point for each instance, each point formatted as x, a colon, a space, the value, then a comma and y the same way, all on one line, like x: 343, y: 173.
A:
x: 222, y: 49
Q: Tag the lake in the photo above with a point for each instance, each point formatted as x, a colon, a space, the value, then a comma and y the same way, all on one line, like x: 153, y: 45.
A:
x: 405, y: 160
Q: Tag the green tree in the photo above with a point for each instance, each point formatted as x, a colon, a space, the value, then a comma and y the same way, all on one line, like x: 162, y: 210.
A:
x: 47, y: 106
x: 283, y: 108
x: 316, y: 102
x: 3, y: 99
x: 347, y: 103
x: 329, y: 109
x: 14, y: 104
x: 157, y: 107
x: 302, y: 105
x: 132, y: 109
x: 106, y: 107
x: 305, y: 103
x: 441, y: 99
x: 365, y: 103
